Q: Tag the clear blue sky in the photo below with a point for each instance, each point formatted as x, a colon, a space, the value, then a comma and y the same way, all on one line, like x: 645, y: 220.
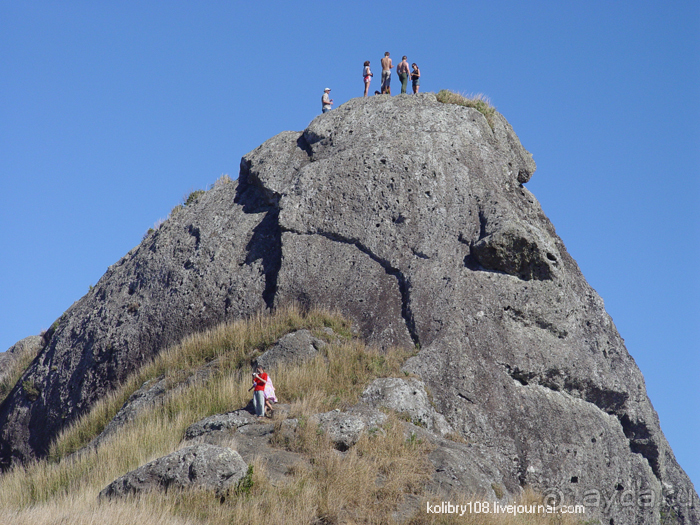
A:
x: 112, y: 112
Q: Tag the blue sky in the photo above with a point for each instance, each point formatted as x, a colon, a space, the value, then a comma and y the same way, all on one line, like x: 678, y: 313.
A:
x: 111, y: 113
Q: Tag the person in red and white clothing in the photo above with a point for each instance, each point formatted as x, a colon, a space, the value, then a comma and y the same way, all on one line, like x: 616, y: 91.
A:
x: 260, y: 379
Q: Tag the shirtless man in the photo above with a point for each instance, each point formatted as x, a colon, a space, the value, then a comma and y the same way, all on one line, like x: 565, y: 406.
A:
x: 386, y: 74
x: 403, y: 72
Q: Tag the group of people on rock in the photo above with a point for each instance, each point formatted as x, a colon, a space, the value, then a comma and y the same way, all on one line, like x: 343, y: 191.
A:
x: 402, y: 70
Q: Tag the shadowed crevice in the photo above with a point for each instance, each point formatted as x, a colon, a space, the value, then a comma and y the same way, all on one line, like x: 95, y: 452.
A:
x: 404, y: 283
x: 609, y: 401
x: 265, y: 244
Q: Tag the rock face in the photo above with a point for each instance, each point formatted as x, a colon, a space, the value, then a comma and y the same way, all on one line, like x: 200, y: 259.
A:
x: 217, y: 422
x: 203, y: 466
x: 407, y: 396
x: 295, y: 347
x: 345, y: 428
x: 410, y: 217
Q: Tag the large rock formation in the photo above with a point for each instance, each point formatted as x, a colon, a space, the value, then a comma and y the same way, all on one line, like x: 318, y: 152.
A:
x: 410, y: 216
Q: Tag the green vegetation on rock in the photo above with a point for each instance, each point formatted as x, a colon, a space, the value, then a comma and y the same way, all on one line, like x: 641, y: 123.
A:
x: 479, y: 102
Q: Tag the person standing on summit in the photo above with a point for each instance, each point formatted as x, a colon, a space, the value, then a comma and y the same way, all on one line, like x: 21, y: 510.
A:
x: 403, y: 72
x: 326, y: 101
x: 415, y: 78
x: 366, y: 76
x: 386, y: 74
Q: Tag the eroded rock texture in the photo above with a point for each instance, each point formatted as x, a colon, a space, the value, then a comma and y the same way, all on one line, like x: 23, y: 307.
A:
x: 411, y: 218
x: 203, y: 466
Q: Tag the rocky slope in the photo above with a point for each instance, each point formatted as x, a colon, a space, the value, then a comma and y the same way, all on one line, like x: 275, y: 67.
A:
x: 411, y: 217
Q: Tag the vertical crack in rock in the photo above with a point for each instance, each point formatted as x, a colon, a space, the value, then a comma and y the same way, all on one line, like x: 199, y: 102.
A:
x: 266, y: 242
x: 403, y: 282
x: 641, y: 442
x: 482, y: 224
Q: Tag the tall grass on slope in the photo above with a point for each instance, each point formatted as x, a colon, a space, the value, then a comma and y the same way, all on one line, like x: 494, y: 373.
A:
x: 364, y: 485
x: 15, y: 371
x: 480, y: 102
x: 382, y: 474
x: 333, y: 380
x: 232, y: 344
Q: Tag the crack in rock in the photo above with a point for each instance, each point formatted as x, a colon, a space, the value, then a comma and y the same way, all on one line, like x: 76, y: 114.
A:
x: 403, y: 282
x: 609, y: 401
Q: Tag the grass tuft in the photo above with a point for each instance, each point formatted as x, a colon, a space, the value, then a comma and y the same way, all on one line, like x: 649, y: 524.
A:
x: 479, y: 101
x: 15, y: 372
x: 193, y: 197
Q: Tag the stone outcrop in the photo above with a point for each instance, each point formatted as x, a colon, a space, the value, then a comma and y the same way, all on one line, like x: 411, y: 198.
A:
x: 204, y: 466
x: 408, y: 397
x: 345, y: 428
x: 218, y: 422
x: 457, y: 467
x: 411, y: 218
x: 295, y: 347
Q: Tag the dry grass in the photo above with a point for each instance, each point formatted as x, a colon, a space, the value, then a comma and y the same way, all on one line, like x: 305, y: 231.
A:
x: 232, y: 344
x: 335, y: 379
x: 478, y: 101
x: 15, y: 371
x: 383, y: 473
x: 364, y: 485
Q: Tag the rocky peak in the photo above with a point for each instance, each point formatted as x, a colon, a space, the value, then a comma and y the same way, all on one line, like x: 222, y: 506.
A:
x: 410, y: 217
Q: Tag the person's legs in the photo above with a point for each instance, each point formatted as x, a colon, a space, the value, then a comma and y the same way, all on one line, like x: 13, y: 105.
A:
x: 366, y: 88
x: 404, y: 82
x: 386, y: 78
x: 259, y: 402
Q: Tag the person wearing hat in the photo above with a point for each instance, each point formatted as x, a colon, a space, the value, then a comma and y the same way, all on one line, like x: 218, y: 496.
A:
x: 326, y: 102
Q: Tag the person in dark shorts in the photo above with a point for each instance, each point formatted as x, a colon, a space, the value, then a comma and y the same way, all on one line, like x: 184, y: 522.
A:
x: 415, y: 78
